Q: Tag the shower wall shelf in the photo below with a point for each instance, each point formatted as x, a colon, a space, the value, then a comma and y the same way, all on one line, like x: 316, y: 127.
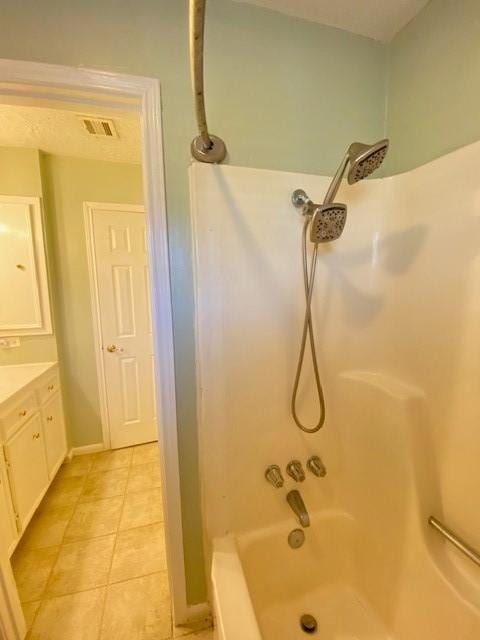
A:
x: 457, y: 542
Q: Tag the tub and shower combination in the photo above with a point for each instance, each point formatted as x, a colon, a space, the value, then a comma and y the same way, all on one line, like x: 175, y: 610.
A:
x: 338, y: 357
x: 395, y: 318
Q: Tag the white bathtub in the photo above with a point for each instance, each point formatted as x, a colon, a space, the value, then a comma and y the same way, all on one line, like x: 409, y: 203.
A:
x: 235, y: 617
x: 261, y: 588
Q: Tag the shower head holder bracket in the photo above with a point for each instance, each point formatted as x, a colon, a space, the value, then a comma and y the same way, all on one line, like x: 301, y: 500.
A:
x: 300, y: 200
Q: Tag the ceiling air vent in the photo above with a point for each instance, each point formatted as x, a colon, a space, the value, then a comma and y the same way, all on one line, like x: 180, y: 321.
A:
x: 100, y: 127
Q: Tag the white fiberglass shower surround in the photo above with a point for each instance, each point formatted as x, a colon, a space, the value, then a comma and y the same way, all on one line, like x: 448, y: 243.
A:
x: 396, y: 314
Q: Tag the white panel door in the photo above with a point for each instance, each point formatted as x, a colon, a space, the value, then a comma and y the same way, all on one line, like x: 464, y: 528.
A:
x: 120, y: 254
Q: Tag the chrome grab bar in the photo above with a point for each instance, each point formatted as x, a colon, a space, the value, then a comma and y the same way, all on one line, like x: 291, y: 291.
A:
x: 455, y: 540
x: 205, y: 147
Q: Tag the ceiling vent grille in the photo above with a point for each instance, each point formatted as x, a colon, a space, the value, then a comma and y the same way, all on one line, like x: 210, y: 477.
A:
x: 100, y: 127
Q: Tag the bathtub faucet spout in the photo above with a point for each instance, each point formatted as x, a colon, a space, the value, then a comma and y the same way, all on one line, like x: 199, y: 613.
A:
x: 295, y: 500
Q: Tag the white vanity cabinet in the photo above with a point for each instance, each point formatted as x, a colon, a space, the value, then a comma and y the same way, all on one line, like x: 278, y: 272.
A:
x: 26, y: 468
x: 32, y: 436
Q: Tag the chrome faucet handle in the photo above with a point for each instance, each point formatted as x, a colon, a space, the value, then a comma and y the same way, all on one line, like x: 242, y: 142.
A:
x: 274, y: 475
x: 316, y: 466
x: 295, y: 470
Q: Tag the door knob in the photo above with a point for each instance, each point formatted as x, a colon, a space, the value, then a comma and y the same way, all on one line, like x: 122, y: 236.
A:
x: 112, y: 348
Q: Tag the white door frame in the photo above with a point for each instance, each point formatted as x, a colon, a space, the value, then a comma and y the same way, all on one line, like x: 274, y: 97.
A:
x: 88, y: 209
x: 55, y: 83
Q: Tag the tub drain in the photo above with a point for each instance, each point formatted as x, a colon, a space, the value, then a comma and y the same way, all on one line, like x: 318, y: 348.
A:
x: 308, y: 623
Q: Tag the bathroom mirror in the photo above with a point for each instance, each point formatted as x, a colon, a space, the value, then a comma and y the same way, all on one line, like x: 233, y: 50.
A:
x: 25, y: 308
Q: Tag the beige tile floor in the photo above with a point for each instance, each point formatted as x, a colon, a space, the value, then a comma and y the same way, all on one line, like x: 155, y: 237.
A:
x: 91, y: 564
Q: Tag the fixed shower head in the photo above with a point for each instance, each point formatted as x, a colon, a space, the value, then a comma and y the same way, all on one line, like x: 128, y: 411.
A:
x: 328, y: 222
x: 365, y: 159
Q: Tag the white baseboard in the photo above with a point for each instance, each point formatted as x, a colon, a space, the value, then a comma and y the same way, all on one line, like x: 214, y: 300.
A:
x: 89, y: 448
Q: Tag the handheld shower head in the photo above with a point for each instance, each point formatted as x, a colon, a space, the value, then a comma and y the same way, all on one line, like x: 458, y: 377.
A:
x: 328, y: 222
x: 365, y: 159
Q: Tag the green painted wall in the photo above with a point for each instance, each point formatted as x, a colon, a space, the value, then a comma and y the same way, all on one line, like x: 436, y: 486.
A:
x: 284, y: 94
x: 434, y: 84
x: 20, y: 176
x: 65, y: 184
x: 20, y: 172
x: 68, y: 183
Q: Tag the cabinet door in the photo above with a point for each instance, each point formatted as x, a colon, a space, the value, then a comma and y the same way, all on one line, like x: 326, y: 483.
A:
x: 24, y: 280
x: 27, y: 468
x: 54, y: 432
x: 7, y: 531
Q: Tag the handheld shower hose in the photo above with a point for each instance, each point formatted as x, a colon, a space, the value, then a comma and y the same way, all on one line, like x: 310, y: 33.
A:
x: 309, y: 280
x: 326, y: 222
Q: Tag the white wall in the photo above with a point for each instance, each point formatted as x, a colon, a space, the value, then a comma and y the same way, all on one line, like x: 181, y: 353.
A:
x: 249, y: 306
x: 398, y: 295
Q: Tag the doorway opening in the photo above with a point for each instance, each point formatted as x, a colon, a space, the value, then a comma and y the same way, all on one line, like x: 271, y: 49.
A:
x: 123, y: 376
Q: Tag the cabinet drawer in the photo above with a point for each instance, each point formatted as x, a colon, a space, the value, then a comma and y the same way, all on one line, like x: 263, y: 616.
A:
x: 54, y: 433
x: 48, y: 388
x: 18, y: 413
x: 27, y: 468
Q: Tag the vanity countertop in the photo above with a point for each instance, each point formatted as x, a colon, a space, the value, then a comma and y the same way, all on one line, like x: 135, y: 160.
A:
x: 14, y: 377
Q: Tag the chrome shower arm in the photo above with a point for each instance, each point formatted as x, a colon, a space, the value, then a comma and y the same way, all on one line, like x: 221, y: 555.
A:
x: 205, y: 147
x: 336, y: 180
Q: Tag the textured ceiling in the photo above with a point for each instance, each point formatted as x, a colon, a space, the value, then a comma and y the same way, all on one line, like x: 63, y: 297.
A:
x: 61, y: 132
x: 378, y: 19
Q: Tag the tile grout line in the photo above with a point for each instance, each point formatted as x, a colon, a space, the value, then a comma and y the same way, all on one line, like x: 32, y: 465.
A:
x: 72, y: 593
x: 74, y: 504
x: 98, y: 535
x: 172, y: 630
x: 62, y: 542
x: 166, y: 569
x: 104, y: 604
x: 43, y: 596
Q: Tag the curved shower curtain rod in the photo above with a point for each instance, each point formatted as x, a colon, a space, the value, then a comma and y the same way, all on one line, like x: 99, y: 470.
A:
x: 205, y: 147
